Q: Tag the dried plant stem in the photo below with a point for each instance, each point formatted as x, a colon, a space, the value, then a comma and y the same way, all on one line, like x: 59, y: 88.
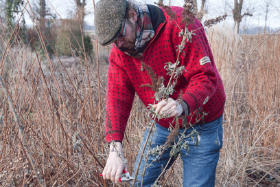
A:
x: 164, y: 169
x: 235, y: 84
x: 98, y: 78
x: 21, y: 129
x: 99, y: 91
x: 142, y: 153
x: 146, y: 161
x: 87, y: 64
x: 81, y: 101
x: 170, y: 172
x: 253, y: 146
x: 172, y: 74
x: 96, y: 159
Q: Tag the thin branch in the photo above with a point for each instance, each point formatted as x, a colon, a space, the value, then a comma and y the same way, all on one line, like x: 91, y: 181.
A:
x: 21, y: 129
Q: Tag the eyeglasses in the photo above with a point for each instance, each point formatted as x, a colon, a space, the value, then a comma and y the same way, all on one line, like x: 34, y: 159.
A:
x: 123, y: 32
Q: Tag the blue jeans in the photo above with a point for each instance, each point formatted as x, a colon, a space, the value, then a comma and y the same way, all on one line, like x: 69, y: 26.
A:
x: 199, y: 163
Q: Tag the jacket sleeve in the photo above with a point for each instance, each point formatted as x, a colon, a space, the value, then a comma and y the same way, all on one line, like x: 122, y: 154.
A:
x: 200, y: 71
x: 120, y: 95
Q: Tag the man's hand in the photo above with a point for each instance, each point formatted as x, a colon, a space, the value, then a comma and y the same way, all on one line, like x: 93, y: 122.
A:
x: 169, y: 108
x: 115, y: 165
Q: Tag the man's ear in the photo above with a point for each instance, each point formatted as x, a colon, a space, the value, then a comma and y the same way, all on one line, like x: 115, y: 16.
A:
x: 132, y: 14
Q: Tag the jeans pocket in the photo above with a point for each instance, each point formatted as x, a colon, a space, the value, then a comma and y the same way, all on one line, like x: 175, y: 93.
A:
x: 211, y: 137
x: 220, y: 135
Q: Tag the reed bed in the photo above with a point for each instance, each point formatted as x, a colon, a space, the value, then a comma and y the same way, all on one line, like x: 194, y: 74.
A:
x: 249, y: 66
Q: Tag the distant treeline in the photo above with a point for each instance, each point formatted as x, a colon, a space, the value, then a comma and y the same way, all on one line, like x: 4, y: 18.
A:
x: 257, y: 30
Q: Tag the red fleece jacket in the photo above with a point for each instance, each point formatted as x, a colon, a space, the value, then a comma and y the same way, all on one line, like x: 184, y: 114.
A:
x: 200, y: 83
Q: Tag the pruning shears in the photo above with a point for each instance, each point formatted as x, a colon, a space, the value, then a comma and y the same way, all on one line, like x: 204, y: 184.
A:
x: 125, y: 178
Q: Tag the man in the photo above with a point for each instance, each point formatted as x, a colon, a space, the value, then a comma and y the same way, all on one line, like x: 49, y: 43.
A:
x: 144, y: 37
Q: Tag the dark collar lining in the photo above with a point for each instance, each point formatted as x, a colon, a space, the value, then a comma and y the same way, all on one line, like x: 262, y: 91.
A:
x: 157, y: 16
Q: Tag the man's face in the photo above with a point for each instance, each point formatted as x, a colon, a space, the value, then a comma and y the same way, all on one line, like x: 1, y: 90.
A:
x: 126, y: 43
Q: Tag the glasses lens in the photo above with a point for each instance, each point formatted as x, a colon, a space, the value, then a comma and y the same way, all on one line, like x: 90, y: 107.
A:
x: 123, y: 33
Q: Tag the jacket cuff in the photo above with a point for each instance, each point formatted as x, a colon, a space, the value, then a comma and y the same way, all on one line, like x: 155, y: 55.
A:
x: 186, y: 109
x: 191, y: 102
x: 114, y: 141
x: 116, y: 136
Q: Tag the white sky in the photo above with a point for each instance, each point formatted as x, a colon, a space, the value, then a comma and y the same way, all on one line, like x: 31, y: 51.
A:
x: 215, y: 8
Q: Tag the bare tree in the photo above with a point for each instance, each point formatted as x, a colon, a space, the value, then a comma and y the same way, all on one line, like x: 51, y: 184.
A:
x: 42, y: 13
x: 274, y: 9
x: 81, y: 10
x: 266, y: 10
x: 199, y: 13
x: 202, y: 10
x: 276, y: 5
x: 237, y: 13
x: 202, y: 7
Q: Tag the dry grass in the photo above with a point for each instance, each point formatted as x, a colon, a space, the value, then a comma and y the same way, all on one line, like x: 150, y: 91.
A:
x: 249, y: 66
x: 61, y: 104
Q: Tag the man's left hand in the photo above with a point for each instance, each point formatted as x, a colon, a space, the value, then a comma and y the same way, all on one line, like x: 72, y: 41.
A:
x: 169, y: 108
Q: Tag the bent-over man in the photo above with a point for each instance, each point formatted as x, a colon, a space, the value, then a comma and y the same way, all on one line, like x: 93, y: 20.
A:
x: 146, y: 36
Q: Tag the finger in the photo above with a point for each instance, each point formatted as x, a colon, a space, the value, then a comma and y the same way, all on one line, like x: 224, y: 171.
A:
x: 173, y: 113
x: 170, y: 99
x: 160, y: 105
x: 155, y: 106
x: 113, y: 174
x: 107, y: 174
x: 167, y: 108
x: 118, y: 174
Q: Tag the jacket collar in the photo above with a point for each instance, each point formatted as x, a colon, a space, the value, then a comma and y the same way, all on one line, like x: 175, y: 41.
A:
x: 157, y: 18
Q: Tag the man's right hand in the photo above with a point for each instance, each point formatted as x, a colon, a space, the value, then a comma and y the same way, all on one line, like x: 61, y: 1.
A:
x: 115, y: 165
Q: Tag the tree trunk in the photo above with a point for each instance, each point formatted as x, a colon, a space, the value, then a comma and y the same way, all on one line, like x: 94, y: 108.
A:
x: 236, y: 26
x: 237, y: 14
x: 202, y: 8
x: 266, y: 14
x: 42, y: 14
x: 81, y: 11
x: 201, y: 13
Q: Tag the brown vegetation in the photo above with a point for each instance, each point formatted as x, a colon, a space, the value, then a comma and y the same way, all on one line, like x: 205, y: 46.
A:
x: 61, y: 106
x: 249, y: 66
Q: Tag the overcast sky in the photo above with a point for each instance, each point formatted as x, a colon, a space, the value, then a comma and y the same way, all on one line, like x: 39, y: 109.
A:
x: 215, y: 8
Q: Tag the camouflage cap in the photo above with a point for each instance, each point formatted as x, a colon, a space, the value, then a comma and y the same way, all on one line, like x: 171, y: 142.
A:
x: 108, y: 18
